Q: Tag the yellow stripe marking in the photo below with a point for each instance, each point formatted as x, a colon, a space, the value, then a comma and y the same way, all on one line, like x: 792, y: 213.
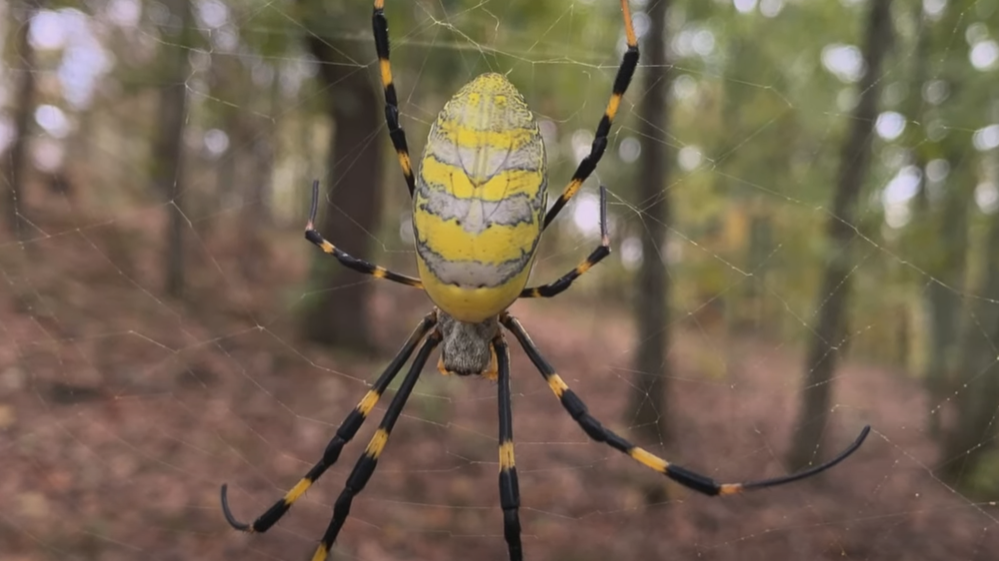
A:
x: 508, y: 139
x: 320, y: 554
x: 472, y: 305
x: 492, y: 373
x: 612, y: 106
x: 377, y: 443
x: 368, y: 402
x: 583, y: 268
x: 379, y: 272
x: 379, y: 4
x: 296, y: 491
x: 730, y: 489
x: 327, y: 247
x: 386, y: 69
x: 407, y: 166
x: 500, y: 186
x: 440, y: 366
x: 571, y: 189
x: 629, y: 31
x: 493, y: 246
x: 506, y: 455
x: 649, y: 459
x: 557, y: 385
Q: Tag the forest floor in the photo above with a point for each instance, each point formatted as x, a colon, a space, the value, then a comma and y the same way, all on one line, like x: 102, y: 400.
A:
x: 122, y: 412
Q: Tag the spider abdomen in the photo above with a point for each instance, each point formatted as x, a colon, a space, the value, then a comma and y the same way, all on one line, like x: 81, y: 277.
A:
x: 480, y: 200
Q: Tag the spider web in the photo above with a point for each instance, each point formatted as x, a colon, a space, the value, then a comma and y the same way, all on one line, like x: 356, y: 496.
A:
x: 123, y: 410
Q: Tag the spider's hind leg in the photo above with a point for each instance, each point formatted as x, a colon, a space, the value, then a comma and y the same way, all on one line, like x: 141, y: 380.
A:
x: 367, y: 463
x: 348, y: 428
x: 686, y: 477
x: 509, y: 487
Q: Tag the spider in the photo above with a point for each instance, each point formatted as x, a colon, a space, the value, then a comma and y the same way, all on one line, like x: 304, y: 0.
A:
x: 479, y: 204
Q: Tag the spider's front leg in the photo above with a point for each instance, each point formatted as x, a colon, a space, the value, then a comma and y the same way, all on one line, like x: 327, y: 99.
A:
x: 347, y: 260
x: 380, y: 26
x: 566, y: 280
x: 624, y: 74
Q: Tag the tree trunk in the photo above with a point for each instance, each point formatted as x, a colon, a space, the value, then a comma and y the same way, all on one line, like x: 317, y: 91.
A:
x: 22, y: 66
x: 255, y: 190
x: 833, y: 295
x: 340, y: 317
x: 943, y: 305
x: 977, y: 376
x: 228, y: 182
x: 648, y: 395
x: 168, y: 151
x: 263, y: 149
x: 943, y: 319
x: 259, y: 187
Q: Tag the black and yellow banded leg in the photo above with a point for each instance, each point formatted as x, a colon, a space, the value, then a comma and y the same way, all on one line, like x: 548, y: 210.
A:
x: 508, y: 485
x: 690, y: 479
x: 365, y: 466
x: 603, y: 250
x: 359, y: 265
x: 624, y: 73
x: 398, y: 136
x: 348, y: 428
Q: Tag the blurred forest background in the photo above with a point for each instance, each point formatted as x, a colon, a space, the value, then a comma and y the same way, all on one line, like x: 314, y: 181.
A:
x: 803, y: 213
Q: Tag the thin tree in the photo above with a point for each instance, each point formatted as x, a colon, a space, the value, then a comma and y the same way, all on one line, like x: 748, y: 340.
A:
x: 168, y: 150
x: 944, y: 246
x: 922, y: 223
x: 257, y: 218
x: 938, y: 233
x: 648, y: 396
x: 22, y: 68
x: 834, y: 293
x: 340, y: 317
x: 976, y: 425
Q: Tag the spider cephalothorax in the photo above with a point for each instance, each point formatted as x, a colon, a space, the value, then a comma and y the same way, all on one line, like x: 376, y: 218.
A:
x: 478, y: 213
x: 466, y: 348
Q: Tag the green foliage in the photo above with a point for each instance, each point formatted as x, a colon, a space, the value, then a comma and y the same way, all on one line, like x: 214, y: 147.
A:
x: 983, y: 481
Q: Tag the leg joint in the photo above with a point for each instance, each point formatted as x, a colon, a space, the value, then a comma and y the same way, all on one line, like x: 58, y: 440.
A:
x: 509, y: 489
x: 593, y: 428
x: 695, y: 481
x: 573, y: 405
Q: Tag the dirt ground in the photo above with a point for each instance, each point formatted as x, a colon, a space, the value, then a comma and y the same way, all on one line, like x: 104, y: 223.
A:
x: 121, y: 414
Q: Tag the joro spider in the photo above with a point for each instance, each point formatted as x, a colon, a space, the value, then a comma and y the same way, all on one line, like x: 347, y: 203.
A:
x: 478, y: 212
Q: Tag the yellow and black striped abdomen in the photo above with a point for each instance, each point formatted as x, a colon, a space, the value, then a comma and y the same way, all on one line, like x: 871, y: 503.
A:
x: 480, y: 200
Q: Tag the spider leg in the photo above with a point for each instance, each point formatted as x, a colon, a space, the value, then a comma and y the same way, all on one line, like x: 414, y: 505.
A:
x: 398, y: 136
x: 509, y: 487
x: 624, y: 73
x: 690, y: 479
x: 347, y: 260
x: 365, y: 466
x: 348, y: 428
x: 603, y: 250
